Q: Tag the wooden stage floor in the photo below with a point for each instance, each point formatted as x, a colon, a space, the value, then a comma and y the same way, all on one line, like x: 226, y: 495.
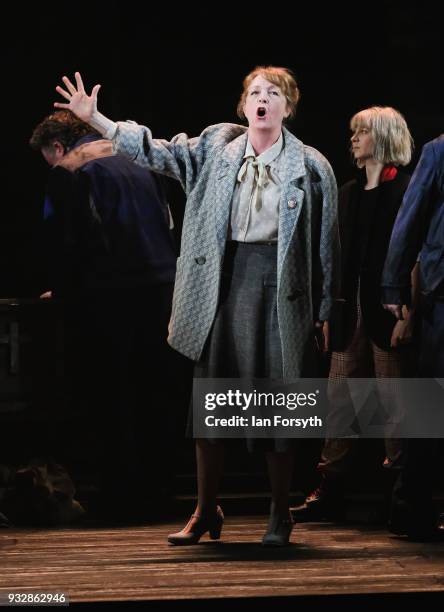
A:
x: 134, y: 563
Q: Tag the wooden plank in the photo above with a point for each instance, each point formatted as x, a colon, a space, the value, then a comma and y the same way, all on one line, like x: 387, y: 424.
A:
x: 135, y: 563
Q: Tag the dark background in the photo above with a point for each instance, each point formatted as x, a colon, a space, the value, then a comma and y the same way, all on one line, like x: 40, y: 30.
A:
x: 182, y: 70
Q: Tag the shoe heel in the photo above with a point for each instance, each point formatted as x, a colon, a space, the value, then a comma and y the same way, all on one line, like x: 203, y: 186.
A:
x: 215, y: 532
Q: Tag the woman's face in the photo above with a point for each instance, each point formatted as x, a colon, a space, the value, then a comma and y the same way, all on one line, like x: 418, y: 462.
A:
x: 362, y: 144
x: 265, y: 105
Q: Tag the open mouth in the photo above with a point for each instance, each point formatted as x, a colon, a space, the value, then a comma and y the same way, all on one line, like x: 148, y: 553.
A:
x: 261, y: 111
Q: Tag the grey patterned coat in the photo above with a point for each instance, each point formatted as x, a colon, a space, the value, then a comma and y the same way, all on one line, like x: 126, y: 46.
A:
x: 207, y: 167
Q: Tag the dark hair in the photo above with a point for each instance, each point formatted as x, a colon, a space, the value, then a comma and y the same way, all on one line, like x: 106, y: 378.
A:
x: 63, y: 126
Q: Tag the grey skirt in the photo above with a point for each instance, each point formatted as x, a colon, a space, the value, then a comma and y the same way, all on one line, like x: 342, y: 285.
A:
x: 244, y: 341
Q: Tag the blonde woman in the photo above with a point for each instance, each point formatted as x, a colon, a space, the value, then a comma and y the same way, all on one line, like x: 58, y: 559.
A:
x: 366, y: 339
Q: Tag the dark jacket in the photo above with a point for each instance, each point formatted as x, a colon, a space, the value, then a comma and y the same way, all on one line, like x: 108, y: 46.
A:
x: 367, y: 275
x: 108, y: 224
x: 419, y: 228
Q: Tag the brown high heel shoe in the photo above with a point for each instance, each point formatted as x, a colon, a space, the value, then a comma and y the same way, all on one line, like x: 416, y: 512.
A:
x: 196, y: 527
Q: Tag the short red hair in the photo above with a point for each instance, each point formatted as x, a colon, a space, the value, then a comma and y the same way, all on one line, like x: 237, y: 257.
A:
x: 281, y: 77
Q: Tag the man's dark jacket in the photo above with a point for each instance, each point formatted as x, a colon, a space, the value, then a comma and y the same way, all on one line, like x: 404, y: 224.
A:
x: 108, y: 224
x: 419, y: 228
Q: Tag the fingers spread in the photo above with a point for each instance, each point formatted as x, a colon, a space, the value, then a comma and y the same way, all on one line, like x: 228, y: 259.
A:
x: 80, y: 87
x: 63, y: 93
x: 69, y: 86
x: 95, y: 91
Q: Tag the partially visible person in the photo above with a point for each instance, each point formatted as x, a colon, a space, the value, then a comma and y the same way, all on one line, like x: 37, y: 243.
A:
x: 365, y: 339
x: 112, y: 261
x: 419, y: 231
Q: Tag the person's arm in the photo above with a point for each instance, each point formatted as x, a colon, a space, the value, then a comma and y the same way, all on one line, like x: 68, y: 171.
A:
x: 328, y: 265
x: 408, y: 233
x: 403, y: 329
x: 181, y: 158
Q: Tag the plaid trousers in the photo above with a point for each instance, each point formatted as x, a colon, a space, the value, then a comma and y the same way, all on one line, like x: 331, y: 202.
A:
x: 362, y: 359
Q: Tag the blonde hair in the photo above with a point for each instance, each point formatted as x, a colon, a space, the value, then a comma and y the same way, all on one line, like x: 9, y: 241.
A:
x: 393, y: 141
x: 281, y: 77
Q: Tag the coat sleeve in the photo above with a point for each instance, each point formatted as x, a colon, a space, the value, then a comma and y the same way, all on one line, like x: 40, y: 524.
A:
x: 409, y: 230
x: 327, y: 272
x: 180, y: 158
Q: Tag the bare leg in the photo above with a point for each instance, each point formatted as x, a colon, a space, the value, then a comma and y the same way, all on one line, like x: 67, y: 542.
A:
x: 210, y: 459
x: 280, y: 469
x: 207, y: 516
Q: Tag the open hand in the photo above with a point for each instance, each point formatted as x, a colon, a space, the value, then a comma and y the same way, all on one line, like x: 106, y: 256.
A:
x: 79, y: 102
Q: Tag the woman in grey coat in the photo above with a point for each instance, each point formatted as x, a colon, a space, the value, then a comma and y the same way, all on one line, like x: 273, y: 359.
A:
x: 259, y: 247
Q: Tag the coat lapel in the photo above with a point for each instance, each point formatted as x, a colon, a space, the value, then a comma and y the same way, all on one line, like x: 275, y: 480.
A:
x: 292, y: 197
x: 230, y: 163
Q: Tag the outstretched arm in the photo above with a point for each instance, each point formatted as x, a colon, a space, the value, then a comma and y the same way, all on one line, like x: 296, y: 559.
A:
x: 84, y: 105
x: 180, y: 158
